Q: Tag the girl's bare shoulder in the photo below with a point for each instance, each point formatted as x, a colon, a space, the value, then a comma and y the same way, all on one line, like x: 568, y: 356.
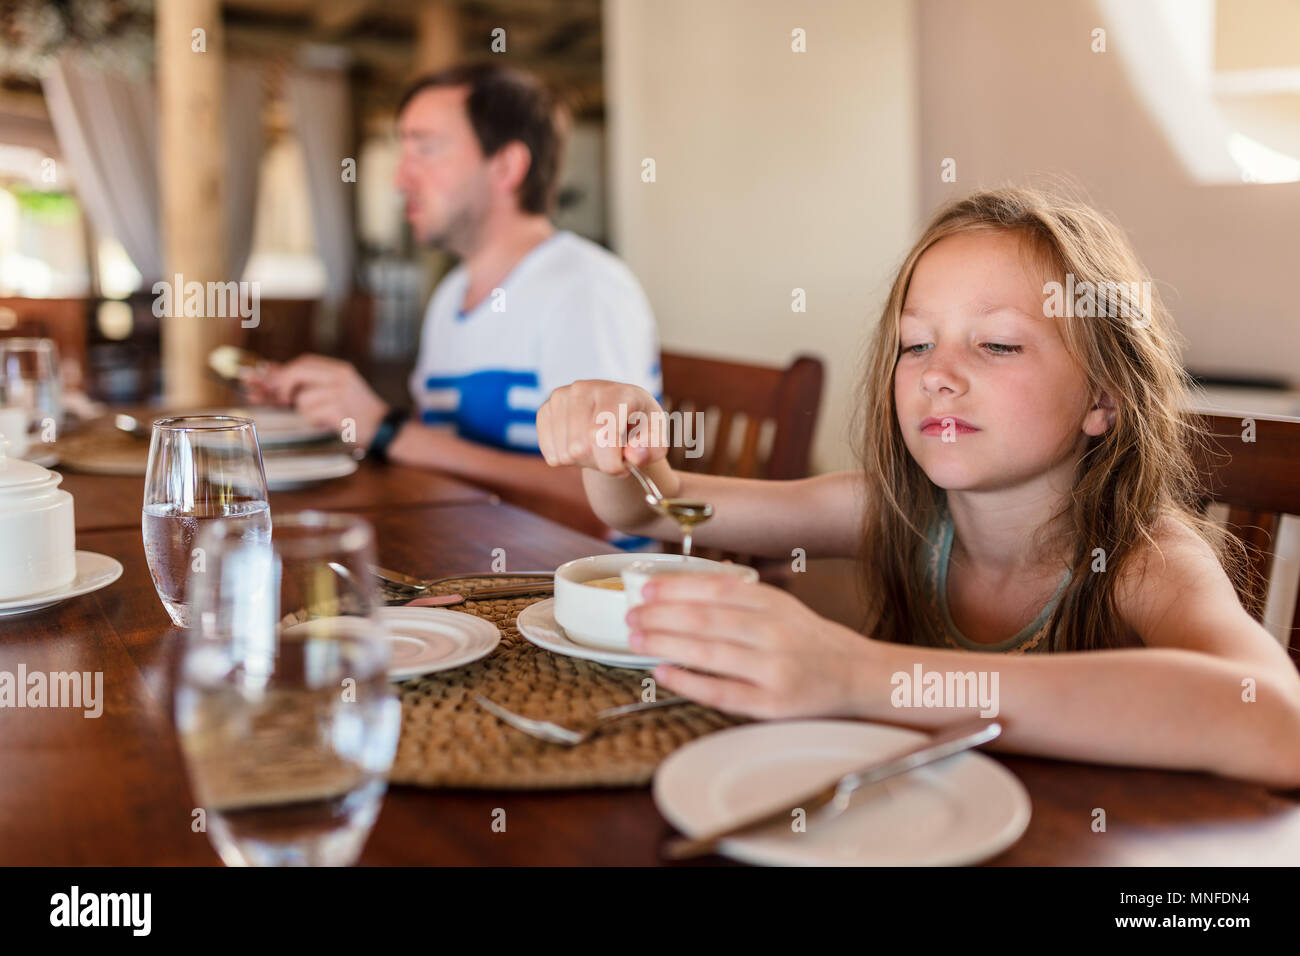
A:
x: 1170, y: 579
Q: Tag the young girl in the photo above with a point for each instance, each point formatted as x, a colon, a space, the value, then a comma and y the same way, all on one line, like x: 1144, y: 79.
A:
x: 1026, y: 491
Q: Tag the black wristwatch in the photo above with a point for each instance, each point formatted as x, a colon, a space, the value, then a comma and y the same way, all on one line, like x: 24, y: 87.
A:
x: 387, y: 431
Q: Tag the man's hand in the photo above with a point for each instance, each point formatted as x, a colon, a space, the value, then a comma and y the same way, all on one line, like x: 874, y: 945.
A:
x: 327, y: 392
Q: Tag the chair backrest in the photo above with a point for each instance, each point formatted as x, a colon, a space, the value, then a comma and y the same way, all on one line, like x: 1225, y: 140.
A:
x: 286, y: 329
x: 1253, y: 467
x: 758, y: 419
x: 66, y: 321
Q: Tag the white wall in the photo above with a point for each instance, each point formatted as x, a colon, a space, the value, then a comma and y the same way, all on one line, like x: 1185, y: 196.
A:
x: 1012, y: 91
x: 775, y: 170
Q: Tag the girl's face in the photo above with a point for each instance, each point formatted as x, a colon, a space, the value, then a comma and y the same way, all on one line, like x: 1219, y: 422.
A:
x: 987, y: 395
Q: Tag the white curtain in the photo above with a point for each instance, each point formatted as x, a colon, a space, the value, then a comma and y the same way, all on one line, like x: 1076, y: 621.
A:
x: 107, y: 128
x: 244, y: 144
x: 105, y: 124
x: 322, y: 112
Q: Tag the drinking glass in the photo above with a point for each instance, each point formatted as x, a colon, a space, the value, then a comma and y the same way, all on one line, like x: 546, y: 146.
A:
x: 286, y: 717
x: 29, y: 379
x: 201, y: 468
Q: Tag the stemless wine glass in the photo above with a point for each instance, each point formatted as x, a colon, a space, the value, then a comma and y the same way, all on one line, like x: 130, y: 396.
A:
x: 286, y: 717
x: 201, y: 468
x: 29, y: 379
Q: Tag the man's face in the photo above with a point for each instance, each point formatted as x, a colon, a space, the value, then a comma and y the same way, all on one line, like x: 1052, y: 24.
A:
x: 442, y: 173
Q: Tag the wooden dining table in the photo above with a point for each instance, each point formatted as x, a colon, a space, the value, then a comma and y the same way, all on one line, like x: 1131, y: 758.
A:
x: 112, y: 790
x: 112, y: 502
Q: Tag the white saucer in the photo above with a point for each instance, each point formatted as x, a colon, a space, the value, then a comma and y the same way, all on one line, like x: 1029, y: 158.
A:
x: 46, y: 458
x: 287, y: 472
x: 94, y: 571
x: 537, y: 624
x: 430, y: 639
x: 961, y: 810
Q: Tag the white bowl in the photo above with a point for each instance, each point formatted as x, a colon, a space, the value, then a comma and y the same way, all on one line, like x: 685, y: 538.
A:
x: 595, y: 616
x: 37, y: 531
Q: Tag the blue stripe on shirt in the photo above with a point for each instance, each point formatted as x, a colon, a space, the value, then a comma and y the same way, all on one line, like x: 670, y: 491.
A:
x: 482, y: 413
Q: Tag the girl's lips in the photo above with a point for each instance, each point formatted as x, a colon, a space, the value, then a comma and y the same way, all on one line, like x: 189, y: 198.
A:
x: 936, y: 426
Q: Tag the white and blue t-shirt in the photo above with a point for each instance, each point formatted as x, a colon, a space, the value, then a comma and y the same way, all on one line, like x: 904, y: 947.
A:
x: 569, y: 310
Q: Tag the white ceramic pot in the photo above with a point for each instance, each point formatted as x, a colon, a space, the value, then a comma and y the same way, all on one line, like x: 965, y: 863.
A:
x: 13, y: 429
x: 37, y: 531
x: 595, y: 616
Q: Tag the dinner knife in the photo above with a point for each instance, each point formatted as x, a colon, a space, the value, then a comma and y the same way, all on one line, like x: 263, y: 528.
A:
x: 839, y: 792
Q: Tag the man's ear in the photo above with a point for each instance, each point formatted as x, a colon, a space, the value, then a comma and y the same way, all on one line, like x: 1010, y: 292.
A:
x: 1101, y: 417
x: 510, y: 166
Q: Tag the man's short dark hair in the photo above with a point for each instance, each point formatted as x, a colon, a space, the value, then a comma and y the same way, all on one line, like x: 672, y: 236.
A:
x: 505, y: 105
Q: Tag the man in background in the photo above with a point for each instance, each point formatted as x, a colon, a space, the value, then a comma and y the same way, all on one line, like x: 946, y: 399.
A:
x: 527, y: 309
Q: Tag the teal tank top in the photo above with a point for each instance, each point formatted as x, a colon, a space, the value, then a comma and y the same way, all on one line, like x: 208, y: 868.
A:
x: 937, y: 627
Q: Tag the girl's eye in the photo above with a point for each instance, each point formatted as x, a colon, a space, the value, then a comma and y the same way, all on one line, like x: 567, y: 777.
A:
x: 1000, y: 349
x: 911, y: 349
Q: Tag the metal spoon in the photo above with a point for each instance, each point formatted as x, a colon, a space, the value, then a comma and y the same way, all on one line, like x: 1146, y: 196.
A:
x: 687, y: 512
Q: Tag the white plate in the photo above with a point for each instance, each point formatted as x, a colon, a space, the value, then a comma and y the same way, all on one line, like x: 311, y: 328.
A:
x: 537, y: 624
x: 430, y: 639
x: 275, y: 426
x: 94, y: 571
x: 46, y: 458
x: 286, y: 472
x: 961, y: 810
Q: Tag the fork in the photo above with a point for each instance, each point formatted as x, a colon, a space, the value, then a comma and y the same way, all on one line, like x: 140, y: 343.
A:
x: 555, y: 734
x: 423, y: 584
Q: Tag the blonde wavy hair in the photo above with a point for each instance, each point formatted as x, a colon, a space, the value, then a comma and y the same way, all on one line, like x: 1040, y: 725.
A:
x: 1139, y: 471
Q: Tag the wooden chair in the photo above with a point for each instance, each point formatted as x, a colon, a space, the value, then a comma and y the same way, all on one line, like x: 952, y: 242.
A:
x: 758, y: 422
x: 1259, y: 481
x: 740, y: 403
x: 64, y: 320
x: 285, y: 329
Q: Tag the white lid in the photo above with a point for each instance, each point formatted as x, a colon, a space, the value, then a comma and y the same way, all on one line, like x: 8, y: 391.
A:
x: 18, y: 475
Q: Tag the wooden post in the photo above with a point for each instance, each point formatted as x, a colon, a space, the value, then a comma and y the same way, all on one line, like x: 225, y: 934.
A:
x: 437, y: 46
x: 192, y: 163
x: 437, y: 36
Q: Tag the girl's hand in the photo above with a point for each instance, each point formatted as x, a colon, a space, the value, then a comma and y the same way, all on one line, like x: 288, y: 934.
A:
x: 579, y: 425
x: 769, y: 654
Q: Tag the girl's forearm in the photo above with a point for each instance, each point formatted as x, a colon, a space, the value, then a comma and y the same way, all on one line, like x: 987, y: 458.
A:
x: 620, y: 502
x: 1152, y: 707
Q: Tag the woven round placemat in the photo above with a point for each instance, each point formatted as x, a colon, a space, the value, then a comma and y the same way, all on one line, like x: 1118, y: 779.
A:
x: 449, y: 741
x: 101, y: 449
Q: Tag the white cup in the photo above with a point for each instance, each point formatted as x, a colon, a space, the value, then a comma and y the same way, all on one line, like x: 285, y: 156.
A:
x: 595, y: 616
x: 13, y: 429
x: 637, y: 576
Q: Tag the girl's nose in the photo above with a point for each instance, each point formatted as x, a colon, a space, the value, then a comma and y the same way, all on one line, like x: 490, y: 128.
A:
x: 940, y: 375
